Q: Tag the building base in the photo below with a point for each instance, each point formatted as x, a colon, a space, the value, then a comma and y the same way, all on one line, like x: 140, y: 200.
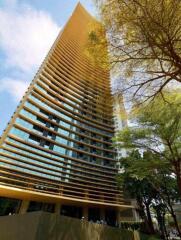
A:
x: 51, y: 226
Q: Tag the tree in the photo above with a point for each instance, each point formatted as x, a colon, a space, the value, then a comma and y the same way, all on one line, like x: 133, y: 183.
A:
x: 169, y: 194
x: 137, y: 188
x: 144, y: 42
x: 157, y: 130
x: 148, y: 180
x: 160, y: 210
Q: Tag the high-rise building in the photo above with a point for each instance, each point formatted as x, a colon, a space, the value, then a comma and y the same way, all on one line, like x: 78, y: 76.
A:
x: 56, y: 152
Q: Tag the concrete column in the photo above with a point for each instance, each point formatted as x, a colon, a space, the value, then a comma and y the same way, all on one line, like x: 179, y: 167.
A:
x: 86, y: 194
x: 134, y: 212
x: 102, y: 214
x: 118, y: 219
x: 135, y: 215
x: 136, y: 235
x: 24, y: 206
x: 57, y: 208
x: 85, y: 213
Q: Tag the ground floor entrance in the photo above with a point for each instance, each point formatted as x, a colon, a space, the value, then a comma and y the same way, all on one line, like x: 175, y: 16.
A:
x: 107, y: 216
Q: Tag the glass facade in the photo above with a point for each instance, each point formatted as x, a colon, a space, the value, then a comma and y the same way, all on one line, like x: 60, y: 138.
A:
x: 59, y: 141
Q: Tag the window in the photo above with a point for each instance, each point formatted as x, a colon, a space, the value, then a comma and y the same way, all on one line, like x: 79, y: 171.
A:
x: 59, y: 149
x: 19, y: 133
x: 24, y: 123
x: 38, y: 129
x: 27, y: 114
x: 34, y: 139
x: 61, y: 140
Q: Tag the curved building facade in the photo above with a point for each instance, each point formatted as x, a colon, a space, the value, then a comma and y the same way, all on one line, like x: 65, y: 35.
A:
x: 56, y: 152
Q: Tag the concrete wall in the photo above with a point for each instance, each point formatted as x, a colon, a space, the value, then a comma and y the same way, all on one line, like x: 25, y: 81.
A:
x: 47, y: 226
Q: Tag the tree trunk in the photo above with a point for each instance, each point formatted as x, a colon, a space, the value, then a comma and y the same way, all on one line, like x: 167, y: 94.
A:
x: 175, y: 220
x: 164, y: 228
x: 145, y: 227
x: 160, y: 222
x: 150, y: 222
x: 169, y: 203
x: 177, y: 166
x: 176, y: 224
x: 179, y: 182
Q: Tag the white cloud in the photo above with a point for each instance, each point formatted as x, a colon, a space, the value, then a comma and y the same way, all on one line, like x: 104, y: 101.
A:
x: 15, y: 87
x: 26, y: 35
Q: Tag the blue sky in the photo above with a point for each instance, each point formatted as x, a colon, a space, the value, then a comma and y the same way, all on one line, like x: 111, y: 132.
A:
x: 27, y: 31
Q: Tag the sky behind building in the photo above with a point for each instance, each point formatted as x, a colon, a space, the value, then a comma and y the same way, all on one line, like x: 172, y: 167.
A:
x: 28, y: 28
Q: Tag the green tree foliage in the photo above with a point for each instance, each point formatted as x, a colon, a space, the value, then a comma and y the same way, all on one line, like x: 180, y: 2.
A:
x: 144, y: 42
x: 154, y: 175
x: 137, y: 187
x: 157, y: 130
x: 152, y: 188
